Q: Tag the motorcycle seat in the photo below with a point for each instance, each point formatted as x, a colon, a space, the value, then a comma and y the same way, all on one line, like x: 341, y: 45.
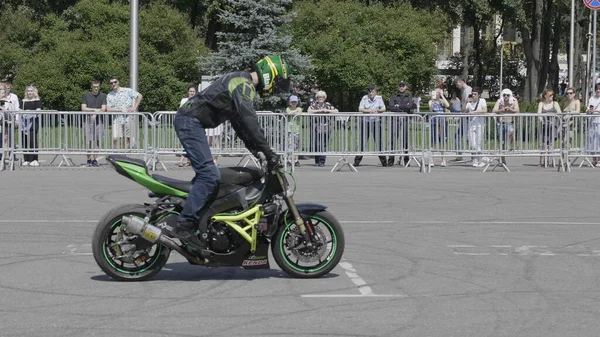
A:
x: 243, y: 176
x: 182, y: 185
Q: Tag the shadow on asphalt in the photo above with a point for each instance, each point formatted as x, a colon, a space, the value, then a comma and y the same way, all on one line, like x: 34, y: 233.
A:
x: 183, y: 271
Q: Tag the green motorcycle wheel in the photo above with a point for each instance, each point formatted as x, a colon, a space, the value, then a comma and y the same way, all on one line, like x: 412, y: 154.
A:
x: 122, y: 255
x: 296, y: 259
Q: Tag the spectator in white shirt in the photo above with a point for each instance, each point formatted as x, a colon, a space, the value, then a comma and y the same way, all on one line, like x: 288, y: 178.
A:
x: 476, y: 105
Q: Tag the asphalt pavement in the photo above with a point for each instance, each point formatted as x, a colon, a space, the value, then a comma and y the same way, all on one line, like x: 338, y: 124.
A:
x: 454, y: 252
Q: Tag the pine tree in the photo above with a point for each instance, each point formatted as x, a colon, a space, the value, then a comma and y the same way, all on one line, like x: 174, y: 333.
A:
x: 254, y: 29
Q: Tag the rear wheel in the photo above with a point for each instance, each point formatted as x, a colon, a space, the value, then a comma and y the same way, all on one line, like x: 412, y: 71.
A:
x: 295, y: 258
x: 124, y: 256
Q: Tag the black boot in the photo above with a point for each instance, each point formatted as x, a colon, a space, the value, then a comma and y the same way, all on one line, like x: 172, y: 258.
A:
x: 357, y: 160
x: 186, y: 232
x: 383, y: 161
x: 391, y: 161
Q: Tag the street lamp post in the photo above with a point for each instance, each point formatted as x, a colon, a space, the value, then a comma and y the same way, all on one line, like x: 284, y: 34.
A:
x: 571, y: 45
x: 133, y: 45
x: 501, y: 60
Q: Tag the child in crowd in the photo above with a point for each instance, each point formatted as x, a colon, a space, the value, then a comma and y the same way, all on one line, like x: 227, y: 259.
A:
x: 293, y: 131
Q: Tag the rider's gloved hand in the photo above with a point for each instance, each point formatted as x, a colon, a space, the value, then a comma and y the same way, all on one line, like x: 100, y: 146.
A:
x: 274, y: 162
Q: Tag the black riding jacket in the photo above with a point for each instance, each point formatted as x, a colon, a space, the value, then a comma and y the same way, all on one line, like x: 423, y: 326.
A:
x: 230, y: 98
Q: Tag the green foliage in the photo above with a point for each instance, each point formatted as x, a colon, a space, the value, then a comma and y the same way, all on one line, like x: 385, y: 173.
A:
x: 354, y: 45
x: 254, y: 29
x: 91, y: 41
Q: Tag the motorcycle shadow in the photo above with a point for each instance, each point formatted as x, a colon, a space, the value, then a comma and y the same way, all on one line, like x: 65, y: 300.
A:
x: 183, y: 271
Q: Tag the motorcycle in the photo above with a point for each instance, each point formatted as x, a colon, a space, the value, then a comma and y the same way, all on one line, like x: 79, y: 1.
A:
x: 251, y: 209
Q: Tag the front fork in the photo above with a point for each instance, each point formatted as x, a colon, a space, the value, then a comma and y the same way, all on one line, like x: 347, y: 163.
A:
x: 297, y: 218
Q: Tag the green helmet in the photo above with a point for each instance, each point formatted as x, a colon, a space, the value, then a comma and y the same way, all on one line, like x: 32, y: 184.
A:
x: 273, y: 74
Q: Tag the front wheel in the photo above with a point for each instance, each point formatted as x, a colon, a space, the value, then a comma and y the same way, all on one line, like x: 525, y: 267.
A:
x: 295, y: 258
x: 122, y: 255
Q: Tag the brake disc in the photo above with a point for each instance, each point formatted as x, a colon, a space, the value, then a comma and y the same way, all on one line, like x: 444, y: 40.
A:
x: 295, y: 243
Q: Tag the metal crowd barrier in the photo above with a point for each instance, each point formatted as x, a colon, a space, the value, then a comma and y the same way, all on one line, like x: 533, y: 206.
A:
x: 490, y: 138
x: 355, y: 134
x: 222, y: 139
x: 558, y: 139
x: 581, y: 135
x: 5, y: 137
x: 66, y: 133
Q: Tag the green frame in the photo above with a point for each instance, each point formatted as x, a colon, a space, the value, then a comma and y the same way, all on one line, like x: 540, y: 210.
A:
x: 251, y: 217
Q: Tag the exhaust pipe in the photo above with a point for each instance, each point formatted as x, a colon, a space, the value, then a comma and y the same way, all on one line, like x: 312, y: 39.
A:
x: 153, y: 234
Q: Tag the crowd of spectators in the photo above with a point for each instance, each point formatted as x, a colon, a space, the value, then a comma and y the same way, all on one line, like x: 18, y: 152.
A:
x: 462, y: 99
x: 120, y: 102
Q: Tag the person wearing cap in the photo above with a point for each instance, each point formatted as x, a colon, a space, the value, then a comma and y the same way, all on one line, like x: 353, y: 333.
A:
x: 297, y: 91
x: 506, y: 104
x: 371, y: 126
x: 293, y: 131
x: 313, y: 94
x: 402, y: 102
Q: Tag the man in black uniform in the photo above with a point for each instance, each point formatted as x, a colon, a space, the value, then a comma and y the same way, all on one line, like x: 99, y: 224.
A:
x: 402, y: 102
x: 230, y: 98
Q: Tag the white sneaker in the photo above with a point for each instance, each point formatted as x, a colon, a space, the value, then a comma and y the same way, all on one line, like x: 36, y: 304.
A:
x: 34, y: 163
x: 443, y: 163
x: 25, y: 163
x: 431, y: 163
x: 475, y: 163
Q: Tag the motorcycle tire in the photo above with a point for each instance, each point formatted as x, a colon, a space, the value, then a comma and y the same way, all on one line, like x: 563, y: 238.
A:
x: 309, y: 262
x: 106, y: 251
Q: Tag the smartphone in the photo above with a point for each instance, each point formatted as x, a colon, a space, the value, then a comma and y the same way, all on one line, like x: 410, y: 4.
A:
x: 470, y: 96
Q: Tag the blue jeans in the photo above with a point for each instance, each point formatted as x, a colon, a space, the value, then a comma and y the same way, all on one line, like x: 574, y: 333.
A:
x: 193, y: 138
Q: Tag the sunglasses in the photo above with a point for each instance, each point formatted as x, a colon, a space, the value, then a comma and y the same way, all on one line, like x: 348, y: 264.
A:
x: 506, y: 95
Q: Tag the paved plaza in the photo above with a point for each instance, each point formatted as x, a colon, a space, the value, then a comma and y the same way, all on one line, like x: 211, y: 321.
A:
x: 454, y: 252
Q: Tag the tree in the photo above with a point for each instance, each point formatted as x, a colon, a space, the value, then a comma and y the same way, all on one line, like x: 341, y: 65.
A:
x: 254, y: 29
x: 91, y: 41
x: 354, y: 45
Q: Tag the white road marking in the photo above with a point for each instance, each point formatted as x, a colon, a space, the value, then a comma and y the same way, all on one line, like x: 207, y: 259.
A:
x: 434, y: 222
x: 365, y: 291
x: 519, y: 250
x: 357, y: 280
x: 350, y: 295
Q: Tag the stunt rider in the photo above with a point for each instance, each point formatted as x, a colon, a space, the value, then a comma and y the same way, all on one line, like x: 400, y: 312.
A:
x: 228, y: 98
